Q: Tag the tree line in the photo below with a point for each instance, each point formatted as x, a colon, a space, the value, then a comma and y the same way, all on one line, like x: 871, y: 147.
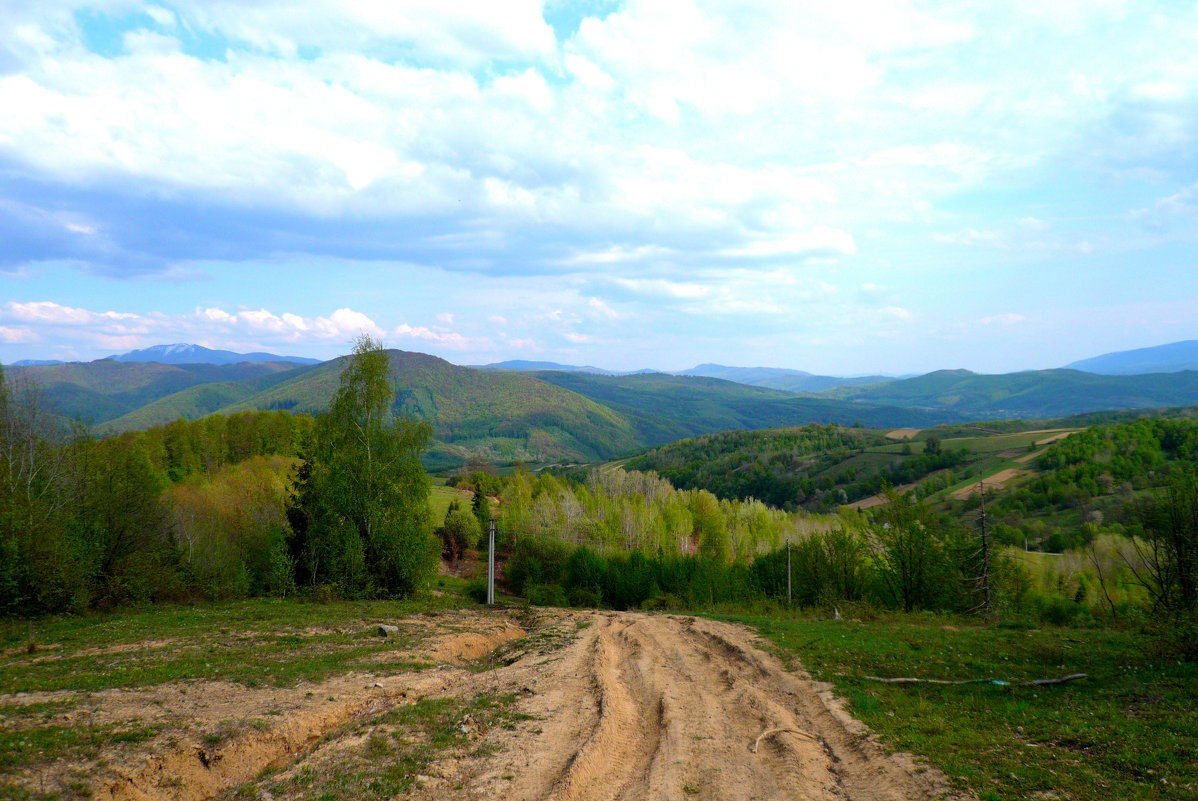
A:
x: 226, y: 506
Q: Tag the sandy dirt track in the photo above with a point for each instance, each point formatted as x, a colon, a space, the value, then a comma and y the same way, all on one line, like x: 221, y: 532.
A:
x: 660, y: 707
x: 611, y: 706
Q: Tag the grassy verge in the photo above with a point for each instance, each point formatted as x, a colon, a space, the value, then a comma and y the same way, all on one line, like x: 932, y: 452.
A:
x: 386, y: 756
x: 250, y: 642
x: 1129, y: 731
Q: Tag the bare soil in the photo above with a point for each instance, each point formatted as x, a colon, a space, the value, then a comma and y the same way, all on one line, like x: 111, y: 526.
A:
x: 996, y: 481
x: 880, y: 500
x: 610, y: 706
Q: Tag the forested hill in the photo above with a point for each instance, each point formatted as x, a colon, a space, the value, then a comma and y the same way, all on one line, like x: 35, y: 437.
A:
x: 498, y: 416
x: 664, y: 407
x: 1031, y: 394
x: 101, y: 391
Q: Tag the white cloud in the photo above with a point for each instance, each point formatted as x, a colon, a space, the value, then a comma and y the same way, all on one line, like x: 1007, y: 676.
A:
x: 446, y: 339
x: 48, y: 312
x: 1009, y: 318
x: 601, y: 309
x: 12, y: 336
x: 658, y: 286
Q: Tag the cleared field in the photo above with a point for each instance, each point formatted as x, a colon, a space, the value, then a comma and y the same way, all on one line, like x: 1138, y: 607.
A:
x: 994, y: 482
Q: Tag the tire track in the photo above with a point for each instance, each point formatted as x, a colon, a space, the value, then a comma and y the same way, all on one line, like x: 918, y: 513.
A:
x: 667, y: 707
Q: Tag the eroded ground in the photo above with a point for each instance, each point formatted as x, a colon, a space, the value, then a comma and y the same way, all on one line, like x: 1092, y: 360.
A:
x: 473, y: 705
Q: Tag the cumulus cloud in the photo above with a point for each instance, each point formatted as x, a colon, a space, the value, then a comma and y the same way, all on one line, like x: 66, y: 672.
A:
x: 12, y: 336
x: 676, y: 160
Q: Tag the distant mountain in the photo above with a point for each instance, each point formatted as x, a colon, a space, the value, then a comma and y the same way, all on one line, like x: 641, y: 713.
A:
x: 499, y: 415
x: 666, y: 407
x: 36, y: 362
x: 1171, y: 358
x: 523, y: 366
x: 1031, y: 394
x: 182, y: 353
x: 781, y: 378
x: 103, y: 390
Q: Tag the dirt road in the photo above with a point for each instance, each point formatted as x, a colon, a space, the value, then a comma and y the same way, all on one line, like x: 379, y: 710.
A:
x: 666, y: 707
x: 607, y: 706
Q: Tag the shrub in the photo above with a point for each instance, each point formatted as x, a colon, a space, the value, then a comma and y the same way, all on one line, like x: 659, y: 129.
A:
x: 477, y: 590
x: 666, y: 602
x: 536, y: 561
x: 586, y: 597
x: 546, y: 595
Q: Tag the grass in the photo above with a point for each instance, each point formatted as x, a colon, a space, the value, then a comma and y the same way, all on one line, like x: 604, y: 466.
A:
x: 1129, y: 731
x: 440, y: 498
x: 386, y: 755
x: 21, y: 746
x: 253, y: 642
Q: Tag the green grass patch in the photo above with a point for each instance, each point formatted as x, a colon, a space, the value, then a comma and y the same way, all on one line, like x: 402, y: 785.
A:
x: 389, y: 752
x: 1129, y: 731
x: 22, y: 747
x: 256, y: 642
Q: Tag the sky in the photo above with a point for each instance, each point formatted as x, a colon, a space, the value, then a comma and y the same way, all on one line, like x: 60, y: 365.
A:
x: 842, y: 188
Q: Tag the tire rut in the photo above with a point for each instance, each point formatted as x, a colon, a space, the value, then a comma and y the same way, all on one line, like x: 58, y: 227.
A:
x: 666, y: 707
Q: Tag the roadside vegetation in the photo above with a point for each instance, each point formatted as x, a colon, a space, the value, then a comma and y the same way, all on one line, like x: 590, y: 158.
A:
x: 1128, y: 730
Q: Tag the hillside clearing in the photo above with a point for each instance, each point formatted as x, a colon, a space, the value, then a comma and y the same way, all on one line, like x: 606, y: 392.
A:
x: 992, y: 482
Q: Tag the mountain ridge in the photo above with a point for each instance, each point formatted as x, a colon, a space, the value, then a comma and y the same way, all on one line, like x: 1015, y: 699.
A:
x: 1172, y: 357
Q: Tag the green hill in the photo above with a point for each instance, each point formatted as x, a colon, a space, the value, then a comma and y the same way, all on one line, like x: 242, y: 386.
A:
x: 1032, y: 394
x: 103, y: 390
x: 498, y: 416
x: 199, y: 401
x: 664, y: 408
x: 778, y: 378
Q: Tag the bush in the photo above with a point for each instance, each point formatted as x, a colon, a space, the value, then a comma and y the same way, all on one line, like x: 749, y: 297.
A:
x: 1062, y: 612
x: 586, y: 597
x: 546, y: 595
x: 477, y: 590
x: 536, y: 561
x: 667, y: 602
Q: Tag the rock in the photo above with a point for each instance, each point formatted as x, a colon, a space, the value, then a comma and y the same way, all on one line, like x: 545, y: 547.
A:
x: 385, y: 630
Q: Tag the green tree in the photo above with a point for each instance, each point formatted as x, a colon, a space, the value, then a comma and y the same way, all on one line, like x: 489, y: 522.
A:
x: 1170, y: 557
x: 361, y: 498
x: 911, y: 560
x: 461, y: 530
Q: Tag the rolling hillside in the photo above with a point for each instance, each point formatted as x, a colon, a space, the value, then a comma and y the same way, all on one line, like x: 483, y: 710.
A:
x: 1032, y: 394
x: 101, y: 391
x: 1171, y: 358
x: 779, y: 378
x: 665, y: 407
x: 499, y: 416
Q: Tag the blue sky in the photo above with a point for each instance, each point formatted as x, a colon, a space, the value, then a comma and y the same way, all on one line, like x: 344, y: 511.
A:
x: 877, y: 187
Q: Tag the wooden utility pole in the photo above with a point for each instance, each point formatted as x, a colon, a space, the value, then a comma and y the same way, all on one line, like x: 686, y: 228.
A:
x: 491, y: 563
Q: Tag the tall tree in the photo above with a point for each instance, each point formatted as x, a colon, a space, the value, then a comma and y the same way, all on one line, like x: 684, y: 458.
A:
x: 911, y: 558
x: 364, y: 492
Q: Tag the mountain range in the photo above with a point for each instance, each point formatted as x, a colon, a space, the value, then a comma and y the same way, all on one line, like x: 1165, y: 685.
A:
x: 1171, y: 358
x: 511, y: 411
